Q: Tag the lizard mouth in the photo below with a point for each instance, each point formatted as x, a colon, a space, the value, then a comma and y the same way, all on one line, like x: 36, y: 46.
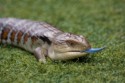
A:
x: 71, y: 54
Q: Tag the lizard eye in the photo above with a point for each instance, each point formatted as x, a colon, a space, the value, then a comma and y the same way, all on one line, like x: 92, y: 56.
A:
x: 71, y: 43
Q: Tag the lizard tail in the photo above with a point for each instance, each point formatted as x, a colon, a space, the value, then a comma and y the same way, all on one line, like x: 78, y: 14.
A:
x: 1, y: 25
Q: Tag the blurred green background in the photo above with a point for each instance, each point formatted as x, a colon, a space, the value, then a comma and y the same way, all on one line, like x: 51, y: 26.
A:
x: 102, y: 22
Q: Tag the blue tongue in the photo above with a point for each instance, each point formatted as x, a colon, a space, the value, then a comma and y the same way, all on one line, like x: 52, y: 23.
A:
x: 93, y: 50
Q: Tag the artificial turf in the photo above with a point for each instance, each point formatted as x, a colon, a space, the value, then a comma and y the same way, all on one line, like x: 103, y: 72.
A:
x: 102, y: 22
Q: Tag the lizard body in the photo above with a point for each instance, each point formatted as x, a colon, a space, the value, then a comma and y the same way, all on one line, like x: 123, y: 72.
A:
x: 42, y: 39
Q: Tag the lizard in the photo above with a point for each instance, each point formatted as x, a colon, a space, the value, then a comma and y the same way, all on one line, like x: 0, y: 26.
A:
x: 43, y: 40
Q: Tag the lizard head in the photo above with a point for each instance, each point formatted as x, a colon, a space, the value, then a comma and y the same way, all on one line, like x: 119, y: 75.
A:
x: 68, y: 46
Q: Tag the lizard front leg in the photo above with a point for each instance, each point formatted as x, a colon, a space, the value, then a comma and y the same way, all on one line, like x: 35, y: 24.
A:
x: 40, y: 54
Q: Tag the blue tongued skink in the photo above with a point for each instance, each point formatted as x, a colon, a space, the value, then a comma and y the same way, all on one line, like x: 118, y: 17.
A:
x: 43, y: 39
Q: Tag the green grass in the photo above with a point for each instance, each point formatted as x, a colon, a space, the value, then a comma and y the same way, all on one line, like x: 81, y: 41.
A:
x: 101, y: 21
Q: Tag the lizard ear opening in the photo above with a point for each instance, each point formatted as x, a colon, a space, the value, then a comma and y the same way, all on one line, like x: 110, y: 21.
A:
x: 45, y: 39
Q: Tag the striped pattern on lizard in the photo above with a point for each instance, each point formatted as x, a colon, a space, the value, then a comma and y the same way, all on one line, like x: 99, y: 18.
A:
x: 42, y: 39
